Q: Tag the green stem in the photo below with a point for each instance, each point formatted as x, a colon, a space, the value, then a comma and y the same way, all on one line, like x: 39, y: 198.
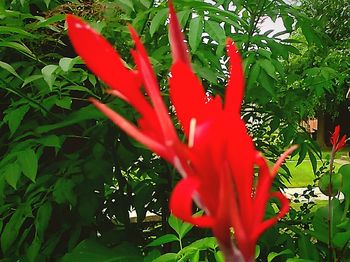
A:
x: 330, y: 208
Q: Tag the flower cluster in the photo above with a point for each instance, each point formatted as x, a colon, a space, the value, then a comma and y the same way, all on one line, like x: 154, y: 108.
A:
x: 217, y: 161
x: 336, y: 143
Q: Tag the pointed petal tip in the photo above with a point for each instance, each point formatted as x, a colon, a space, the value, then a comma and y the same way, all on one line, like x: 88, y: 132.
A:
x: 132, y: 31
x: 178, y: 46
x: 171, y: 5
x: 73, y: 20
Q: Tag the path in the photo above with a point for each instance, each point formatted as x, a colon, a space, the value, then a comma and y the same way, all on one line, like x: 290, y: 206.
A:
x: 299, y: 190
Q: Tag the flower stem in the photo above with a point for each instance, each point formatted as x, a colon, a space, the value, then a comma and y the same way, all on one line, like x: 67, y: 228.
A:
x: 232, y: 254
x: 330, y: 208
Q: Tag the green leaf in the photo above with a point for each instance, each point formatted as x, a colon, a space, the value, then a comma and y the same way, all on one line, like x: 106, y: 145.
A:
x: 268, y: 67
x: 33, y: 250
x: 42, y: 219
x: 307, y: 249
x: 163, y: 240
x: 175, y: 223
x: 180, y: 227
x: 288, y: 22
x: 66, y: 63
x: 253, y: 75
x: 10, y: 69
x: 201, y: 244
x: 92, y: 80
x: 15, y: 117
x: 50, y: 20
x: 168, y: 257
x: 47, y: 3
x: 257, y: 251
x: 340, y: 239
x: 205, y: 73
x: 50, y: 141
x: 79, y: 88
x: 65, y: 102
x: 215, y: 31
x: 158, y: 19
x: 273, y: 255
x: 127, y: 5
x: 85, y: 113
x: 28, y: 161
x: 19, y: 47
x: 302, y: 154
x: 92, y: 251
x: 63, y: 192
x: 30, y: 79
x: 195, y: 33
x: 219, y: 256
x: 313, y: 161
x: 266, y: 81
x: 183, y: 17
x: 12, y: 174
x: 10, y: 30
x: 310, y: 34
x: 299, y: 260
x: 345, y: 171
x: 48, y: 74
x: 12, y: 228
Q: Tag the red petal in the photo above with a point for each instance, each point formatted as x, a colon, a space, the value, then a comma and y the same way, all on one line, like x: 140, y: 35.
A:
x: 187, y: 95
x: 265, y: 180
x: 281, y: 159
x: 241, y: 155
x: 100, y: 57
x: 341, y: 143
x: 152, y: 88
x: 227, y: 211
x: 335, y: 135
x: 262, y: 191
x: 235, y: 88
x: 270, y: 222
x: 181, y: 203
x: 177, y: 42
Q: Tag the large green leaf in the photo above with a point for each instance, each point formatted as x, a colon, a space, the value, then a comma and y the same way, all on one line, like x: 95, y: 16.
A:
x: 14, y: 117
x: 19, y: 47
x: 42, y: 219
x: 215, y: 31
x: 158, y: 20
x: 63, y: 192
x: 12, y: 228
x: 28, y: 161
x: 9, y: 68
x: 195, y: 33
x: 12, y: 174
x: 92, y: 251
x: 345, y: 171
x: 168, y: 257
x: 86, y: 113
x: 163, y: 240
x: 271, y: 256
x: 48, y: 74
x: 180, y: 227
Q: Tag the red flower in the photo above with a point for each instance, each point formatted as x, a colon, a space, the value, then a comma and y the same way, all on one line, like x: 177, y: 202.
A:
x: 217, y: 163
x: 336, y: 143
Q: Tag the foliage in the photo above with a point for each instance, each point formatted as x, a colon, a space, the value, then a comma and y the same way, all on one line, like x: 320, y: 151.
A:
x: 321, y: 73
x: 68, y: 178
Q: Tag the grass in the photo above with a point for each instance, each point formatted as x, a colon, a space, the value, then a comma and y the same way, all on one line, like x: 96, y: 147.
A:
x: 302, y: 175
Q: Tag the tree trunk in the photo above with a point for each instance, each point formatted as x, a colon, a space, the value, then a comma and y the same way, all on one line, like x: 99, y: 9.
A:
x: 320, y: 135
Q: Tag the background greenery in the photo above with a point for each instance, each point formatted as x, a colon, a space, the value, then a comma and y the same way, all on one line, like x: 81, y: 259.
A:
x: 68, y: 177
